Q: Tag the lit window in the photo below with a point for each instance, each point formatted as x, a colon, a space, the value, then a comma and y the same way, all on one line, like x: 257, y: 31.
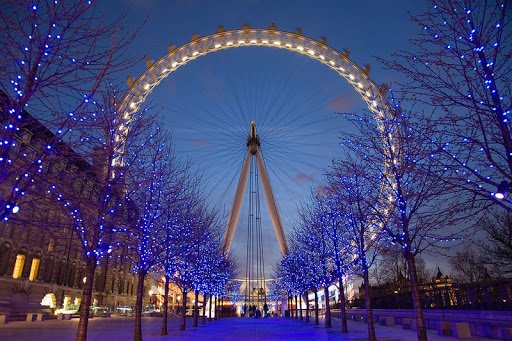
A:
x: 34, y: 269
x: 18, y: 266
x: 51, y: 244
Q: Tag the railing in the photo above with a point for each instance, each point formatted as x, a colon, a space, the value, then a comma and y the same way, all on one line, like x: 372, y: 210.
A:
x: 492, y: 324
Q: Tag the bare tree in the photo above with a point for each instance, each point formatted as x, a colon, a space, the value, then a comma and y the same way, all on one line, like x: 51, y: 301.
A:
x: 498, y: 246
x: 425, y: 274
x: 468, y: 267
x: 461, y: 64
x: 390, y: 267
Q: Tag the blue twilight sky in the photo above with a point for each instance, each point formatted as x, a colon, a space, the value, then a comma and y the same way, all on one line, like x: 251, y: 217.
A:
x: 209, y: 103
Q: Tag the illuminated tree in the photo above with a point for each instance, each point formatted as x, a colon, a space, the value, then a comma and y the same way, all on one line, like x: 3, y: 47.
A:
x: 358, y: 202
x: 332, y: 216
x: 312, y: 235
x: 290, y: 272
x: 206, y: 255
x: 94, y: 195
x: 275, y: 289
x: 55, y: 57
x: 300, y: 272
x: 184, y: 256
x: 416, y: 208
x: 146, y: 193
x: 180, y: 188
x: 460, y: 64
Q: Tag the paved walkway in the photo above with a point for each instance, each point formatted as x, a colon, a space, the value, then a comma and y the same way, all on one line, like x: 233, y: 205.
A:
x: 230, y: 329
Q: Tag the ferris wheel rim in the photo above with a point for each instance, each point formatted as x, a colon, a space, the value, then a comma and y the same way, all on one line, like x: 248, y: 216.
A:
x: 175, y: 58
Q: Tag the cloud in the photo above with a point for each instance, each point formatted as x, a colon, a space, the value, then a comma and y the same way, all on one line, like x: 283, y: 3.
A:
x: 301, y: 177
x: 341, y: 102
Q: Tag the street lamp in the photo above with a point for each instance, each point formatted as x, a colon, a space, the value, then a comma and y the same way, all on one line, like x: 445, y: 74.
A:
x: 501, y: 190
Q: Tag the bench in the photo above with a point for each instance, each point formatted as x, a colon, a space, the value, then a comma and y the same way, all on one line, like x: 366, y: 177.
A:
x: 31, y: 317
x: 461, y: 330
x: 444, y: 328
x: 17, y: 317
x: 387, y: 321
x: 506, y: 334
x: 408, y: 323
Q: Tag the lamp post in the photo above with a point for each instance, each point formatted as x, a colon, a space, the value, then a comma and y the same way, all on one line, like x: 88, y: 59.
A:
x: 150, y: 297
x: 501, y: 190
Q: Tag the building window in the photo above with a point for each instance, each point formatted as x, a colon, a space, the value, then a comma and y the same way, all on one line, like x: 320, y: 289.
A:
x: 5, y: 254
x: 48, y: 270
x: 34, y: 269
x: 18, y: 266
x: 51, y: 245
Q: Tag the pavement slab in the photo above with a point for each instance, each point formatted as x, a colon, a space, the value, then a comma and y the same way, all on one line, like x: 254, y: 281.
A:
x: 229, y: 329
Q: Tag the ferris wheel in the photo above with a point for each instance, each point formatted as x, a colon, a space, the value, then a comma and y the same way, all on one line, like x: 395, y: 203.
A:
x: 289, y: 125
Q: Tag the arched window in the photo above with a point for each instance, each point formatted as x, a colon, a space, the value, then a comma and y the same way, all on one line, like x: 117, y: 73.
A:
x: 71, y: 275
x: 61, y: 272
x: 34, y: 267
x: 121, y: 282
x: 51, y: 244
x: 18, y: 266
x: 5, y: 255
x: 48, y: 269
x: 80, y: 278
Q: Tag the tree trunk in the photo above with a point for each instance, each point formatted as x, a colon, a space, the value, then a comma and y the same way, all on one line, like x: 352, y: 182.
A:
x: 343, y: 310
x: 81, y: 334
x: 137, y: 333
x: 204, y: 308
x: 290, y: 300
x: 369, y: 312
x: 307, y: 306
x: 184, y: 308
x: 300, y: 306
x: 210, y: 309
x: 328, y: 323
x: 221, y: 306
x: 418, y: 310
x: 166, y: 306
x: 196, y: 308
x: 215, y: 308
x: 296, y: 308
x: 316, y: 308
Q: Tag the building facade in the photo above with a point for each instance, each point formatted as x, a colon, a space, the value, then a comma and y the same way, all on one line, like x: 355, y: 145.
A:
x: 41, y: 259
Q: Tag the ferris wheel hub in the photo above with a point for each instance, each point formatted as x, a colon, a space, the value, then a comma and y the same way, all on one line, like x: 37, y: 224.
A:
x: 253, y: 141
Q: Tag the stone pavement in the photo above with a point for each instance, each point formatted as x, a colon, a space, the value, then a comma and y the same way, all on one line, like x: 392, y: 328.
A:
x: 230, y: 329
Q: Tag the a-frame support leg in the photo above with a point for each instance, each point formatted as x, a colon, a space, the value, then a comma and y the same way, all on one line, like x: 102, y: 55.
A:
x: 237, y: 203
x: 271, y: 203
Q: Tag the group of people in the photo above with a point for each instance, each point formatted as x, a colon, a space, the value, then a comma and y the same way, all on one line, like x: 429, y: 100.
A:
x: 255, y: 311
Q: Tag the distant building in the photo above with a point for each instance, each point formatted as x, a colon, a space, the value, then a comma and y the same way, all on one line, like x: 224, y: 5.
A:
x: 441, y: 293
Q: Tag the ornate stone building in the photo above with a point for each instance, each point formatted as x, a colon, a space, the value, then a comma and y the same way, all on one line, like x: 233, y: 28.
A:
x: 41, y: 259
